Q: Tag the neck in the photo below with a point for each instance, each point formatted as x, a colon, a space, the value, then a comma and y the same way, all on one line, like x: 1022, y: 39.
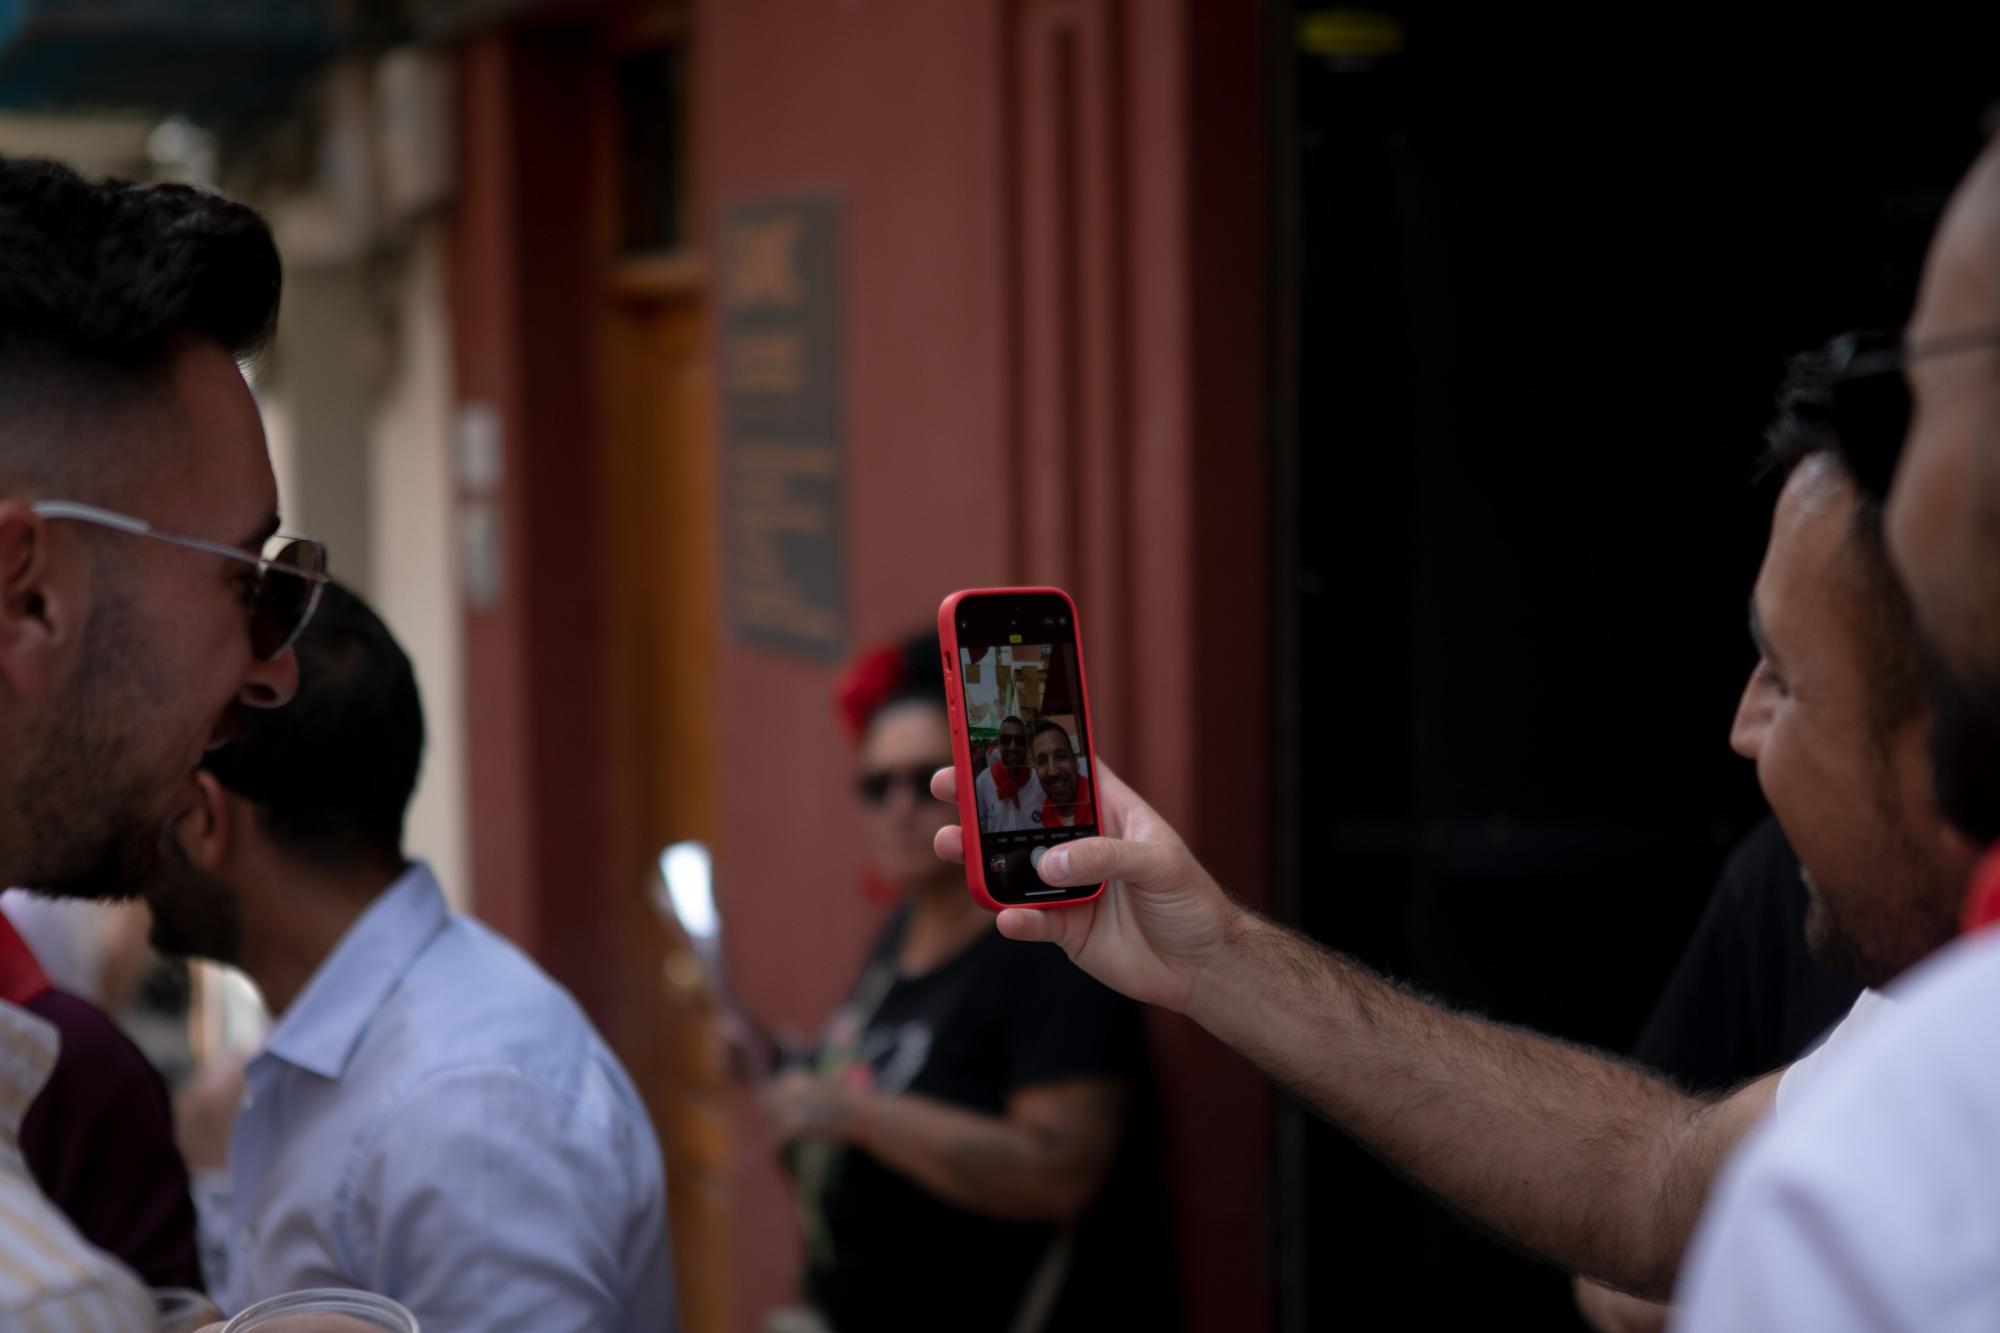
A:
x: 943, y: 921
x: 295, y: 919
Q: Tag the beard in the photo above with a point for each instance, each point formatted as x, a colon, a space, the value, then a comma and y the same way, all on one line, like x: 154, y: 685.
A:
x: 89, y: 801
x: 1964, y: 746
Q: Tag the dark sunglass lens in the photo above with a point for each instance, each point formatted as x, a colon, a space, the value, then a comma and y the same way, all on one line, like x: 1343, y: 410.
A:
x: 873, y: 787
x: 287, y: 596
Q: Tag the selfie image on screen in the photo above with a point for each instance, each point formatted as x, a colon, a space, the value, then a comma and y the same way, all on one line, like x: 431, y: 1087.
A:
x: 1030, y: 761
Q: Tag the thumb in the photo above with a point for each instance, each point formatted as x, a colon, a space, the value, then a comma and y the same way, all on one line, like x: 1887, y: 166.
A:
x: 1094, y: 860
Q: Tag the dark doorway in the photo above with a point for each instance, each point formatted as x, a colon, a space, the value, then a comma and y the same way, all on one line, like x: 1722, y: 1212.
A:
x: 1546, y: 274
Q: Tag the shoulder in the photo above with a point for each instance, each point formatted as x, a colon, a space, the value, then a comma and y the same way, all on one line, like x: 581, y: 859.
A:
x: 1868, y: 1187
x: 475, y: 1019
x: 1901, y: 1104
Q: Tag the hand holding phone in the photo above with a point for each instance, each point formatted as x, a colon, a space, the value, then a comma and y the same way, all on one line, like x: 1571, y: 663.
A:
x: 1020, y: 738
x: 1161, y: 922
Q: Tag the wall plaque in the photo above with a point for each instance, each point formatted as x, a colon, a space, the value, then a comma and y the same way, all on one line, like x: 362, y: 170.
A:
x: 784, y: 470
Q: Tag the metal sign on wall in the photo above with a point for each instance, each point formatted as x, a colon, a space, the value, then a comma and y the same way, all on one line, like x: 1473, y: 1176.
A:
x: 784, y: 470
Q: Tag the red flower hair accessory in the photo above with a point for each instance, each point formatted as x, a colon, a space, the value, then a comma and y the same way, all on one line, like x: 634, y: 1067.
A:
x: 866, y: 685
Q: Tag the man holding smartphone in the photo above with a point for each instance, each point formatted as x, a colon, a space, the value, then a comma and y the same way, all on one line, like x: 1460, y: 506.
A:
x: 1575, y: 1156
x: 1872, y: 1206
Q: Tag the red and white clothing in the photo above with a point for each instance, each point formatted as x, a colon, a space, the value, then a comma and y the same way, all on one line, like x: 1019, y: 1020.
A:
x: 1004, y: 805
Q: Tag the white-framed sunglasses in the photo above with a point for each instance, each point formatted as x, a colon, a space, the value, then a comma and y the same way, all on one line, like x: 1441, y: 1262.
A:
x: 280, y: 607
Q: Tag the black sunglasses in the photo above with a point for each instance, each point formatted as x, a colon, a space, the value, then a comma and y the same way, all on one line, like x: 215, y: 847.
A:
x: 874, y: 787
x: 1869, y: 404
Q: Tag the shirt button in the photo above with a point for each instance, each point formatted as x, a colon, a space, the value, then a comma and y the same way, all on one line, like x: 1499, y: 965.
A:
x: 243, y: 1237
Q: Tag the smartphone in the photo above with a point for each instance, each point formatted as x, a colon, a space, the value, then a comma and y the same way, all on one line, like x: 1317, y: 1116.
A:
x: 1020, y: 738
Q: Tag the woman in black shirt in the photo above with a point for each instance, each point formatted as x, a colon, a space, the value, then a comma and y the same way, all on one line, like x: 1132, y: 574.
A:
x: 968, y: 1148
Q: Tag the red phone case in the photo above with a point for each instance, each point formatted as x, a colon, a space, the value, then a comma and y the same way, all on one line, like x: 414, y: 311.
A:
x: 961, y: 739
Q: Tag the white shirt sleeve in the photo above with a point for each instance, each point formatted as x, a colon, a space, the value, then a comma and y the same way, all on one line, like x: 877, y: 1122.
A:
x: 1871, y: 1202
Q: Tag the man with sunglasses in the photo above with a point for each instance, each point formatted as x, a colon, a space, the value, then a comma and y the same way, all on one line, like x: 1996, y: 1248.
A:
x: 138, y: 615
x: 1874, y: 1205
x: 1571, y: 1155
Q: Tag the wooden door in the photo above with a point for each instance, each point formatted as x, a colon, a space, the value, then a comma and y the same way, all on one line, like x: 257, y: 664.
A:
x: 661, y: 553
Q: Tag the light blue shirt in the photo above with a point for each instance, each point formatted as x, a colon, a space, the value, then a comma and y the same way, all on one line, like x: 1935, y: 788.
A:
x: 435, y: 1120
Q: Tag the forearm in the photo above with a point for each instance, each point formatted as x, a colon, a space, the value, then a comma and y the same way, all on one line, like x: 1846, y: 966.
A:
x: 980, y: 1163
x: 1571, y: 1155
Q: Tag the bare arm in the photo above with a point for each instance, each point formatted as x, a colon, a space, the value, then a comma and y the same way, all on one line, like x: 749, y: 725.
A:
x: 1044, y: 1160
x: 1575, y: 1156
x: 1570, y: 1154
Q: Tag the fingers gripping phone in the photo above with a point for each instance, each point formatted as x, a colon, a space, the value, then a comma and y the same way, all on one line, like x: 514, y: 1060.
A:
x: 1020, y: 739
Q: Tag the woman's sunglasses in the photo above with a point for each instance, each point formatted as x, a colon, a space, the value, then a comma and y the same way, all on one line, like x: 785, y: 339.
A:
x: 288, y: 579
x: 874, y: 787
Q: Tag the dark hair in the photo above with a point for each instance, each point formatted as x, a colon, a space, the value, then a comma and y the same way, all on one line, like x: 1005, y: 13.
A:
x: 1803, y: 429
x: 920, y: 677
x: 101, y: 282
x: 1044, y: 724
x: 1015, y: 720
x: 332, y: 772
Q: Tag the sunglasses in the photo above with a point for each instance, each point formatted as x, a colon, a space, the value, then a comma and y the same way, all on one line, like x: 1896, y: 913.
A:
x: 289, y: 574
x: 874, y: 787
x: 1869, y: 404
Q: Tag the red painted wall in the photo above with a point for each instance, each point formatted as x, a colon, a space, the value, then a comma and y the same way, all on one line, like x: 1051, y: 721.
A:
x: 1052, y: 228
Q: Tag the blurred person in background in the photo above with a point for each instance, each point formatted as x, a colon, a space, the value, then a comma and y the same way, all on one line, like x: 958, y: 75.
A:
x: 972, y: 1148
x: 139, y: 620
x: 1873, y: 1206
x: 1575, y: 1156
x: 431, y: 1117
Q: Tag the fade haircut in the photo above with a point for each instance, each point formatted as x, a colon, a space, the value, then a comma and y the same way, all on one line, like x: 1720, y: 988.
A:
x: 332, y: 772
x: 1879, y: 612
x: 101, y: 284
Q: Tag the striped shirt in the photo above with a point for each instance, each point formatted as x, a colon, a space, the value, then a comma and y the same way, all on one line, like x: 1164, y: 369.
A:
x: 51, y: 1279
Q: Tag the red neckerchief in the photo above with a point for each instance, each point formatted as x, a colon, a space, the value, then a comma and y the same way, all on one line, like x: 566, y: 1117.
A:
x: 21, y: 977
x: 1003, y: 781
x: 1982, y: 899
x: 1081, y: 811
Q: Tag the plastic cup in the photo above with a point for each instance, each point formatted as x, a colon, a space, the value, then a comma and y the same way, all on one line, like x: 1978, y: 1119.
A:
x: 182, y: 1309
x: 327, y: 1310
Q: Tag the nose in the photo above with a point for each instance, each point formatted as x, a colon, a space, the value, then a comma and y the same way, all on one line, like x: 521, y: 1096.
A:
x: 1753, y: 719
x: 270, y: 684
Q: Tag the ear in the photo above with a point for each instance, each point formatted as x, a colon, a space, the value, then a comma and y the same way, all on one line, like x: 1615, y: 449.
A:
x: 35, y: 606
x: 207, y: 833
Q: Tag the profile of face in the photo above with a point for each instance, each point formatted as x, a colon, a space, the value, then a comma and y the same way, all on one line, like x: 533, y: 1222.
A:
x: 1013, y: 745
x: 1055, y: 765
x: 1884, y: 874
x: 904, y: 745
x: 1944, y: 510
x: 160, y: 655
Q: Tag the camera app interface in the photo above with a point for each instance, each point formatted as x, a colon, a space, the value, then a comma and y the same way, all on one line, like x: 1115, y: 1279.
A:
x: 1024, y: 715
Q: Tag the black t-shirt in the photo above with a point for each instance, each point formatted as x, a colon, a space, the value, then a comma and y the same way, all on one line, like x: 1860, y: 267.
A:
x: 999, y: 1017
x: 1746, y: 997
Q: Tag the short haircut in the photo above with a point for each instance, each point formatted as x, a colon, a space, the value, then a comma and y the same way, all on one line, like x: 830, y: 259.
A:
x: 101, y: 283
x: 332, y: 772
x: 1882, y: 617
x: 1044, y: 724
x: 1015, y: 720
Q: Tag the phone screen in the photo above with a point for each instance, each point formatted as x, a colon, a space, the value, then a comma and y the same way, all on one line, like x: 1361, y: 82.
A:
x: 1029, y: 732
